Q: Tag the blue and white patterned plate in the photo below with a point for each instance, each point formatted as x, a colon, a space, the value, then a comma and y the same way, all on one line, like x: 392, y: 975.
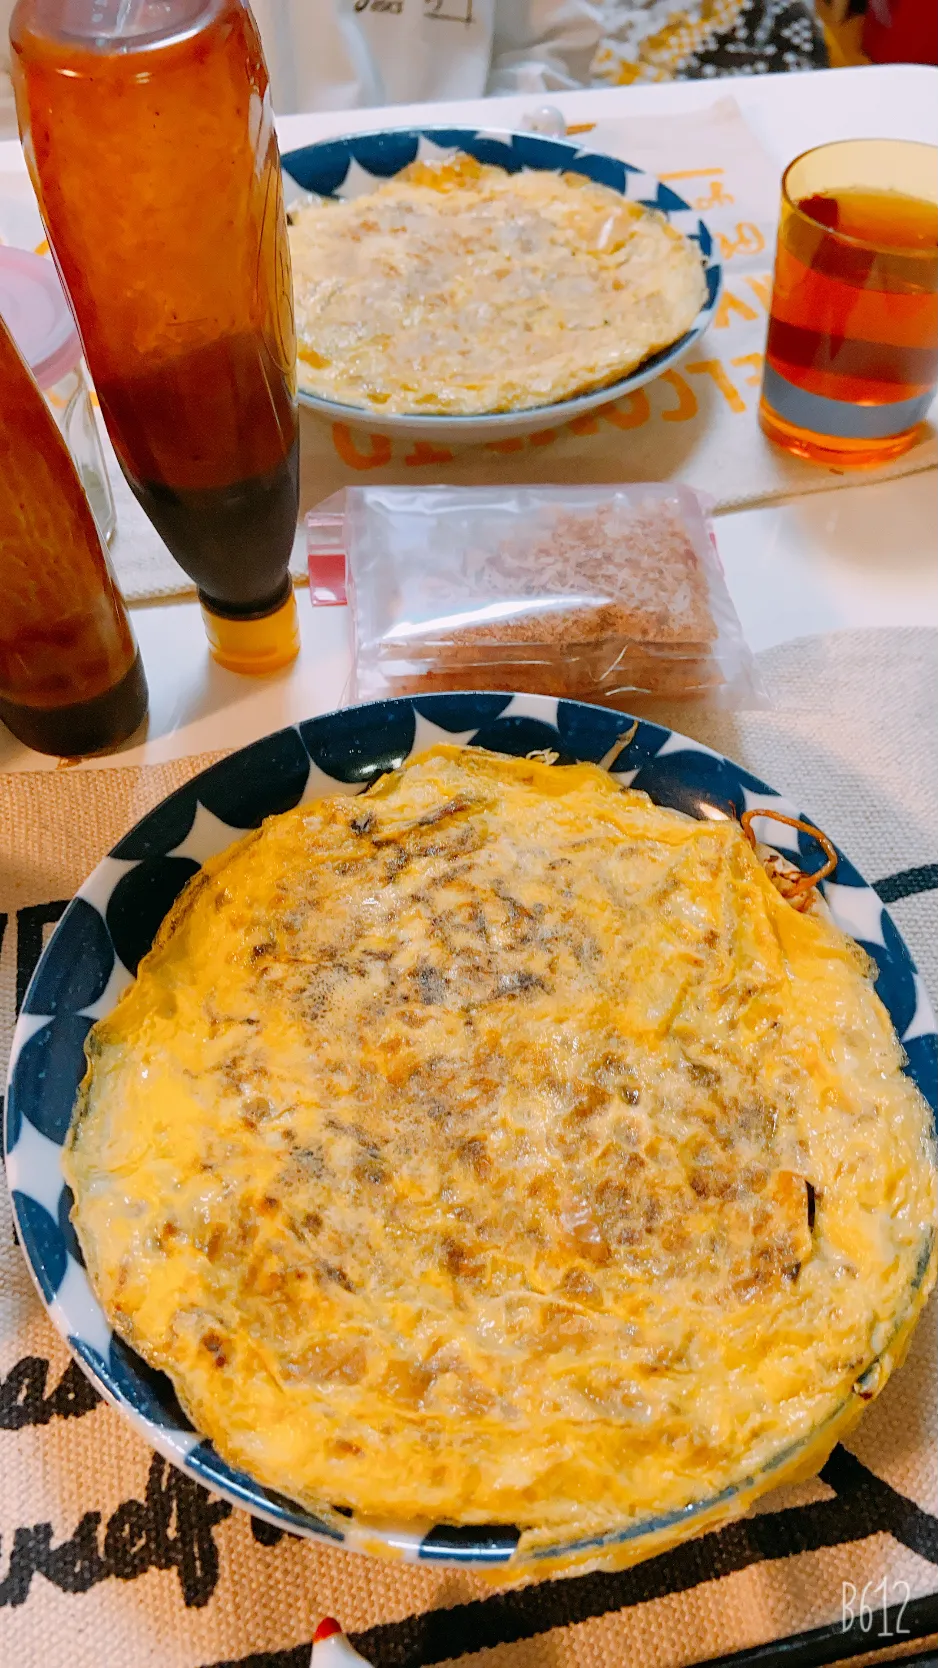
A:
x: 356, y: 164
x: 110, y: 924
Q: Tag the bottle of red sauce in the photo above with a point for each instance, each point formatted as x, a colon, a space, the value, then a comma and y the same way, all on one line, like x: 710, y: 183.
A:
x: 71, y: 681
x: 148, y: 133
x: 900, y: 32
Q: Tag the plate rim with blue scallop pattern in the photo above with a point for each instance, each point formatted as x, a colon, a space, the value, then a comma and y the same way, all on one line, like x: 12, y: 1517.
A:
x: 111, y: 920
x: 325, y: 166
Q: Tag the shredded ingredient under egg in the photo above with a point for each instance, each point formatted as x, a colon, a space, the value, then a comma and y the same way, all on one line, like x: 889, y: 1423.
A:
x: 794, y: 885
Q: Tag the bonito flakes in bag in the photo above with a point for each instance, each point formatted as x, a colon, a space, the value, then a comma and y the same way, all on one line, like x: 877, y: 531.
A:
x: 612, y: 594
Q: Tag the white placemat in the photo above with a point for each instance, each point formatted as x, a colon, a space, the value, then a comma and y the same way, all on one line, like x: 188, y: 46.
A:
x: 696, y: 423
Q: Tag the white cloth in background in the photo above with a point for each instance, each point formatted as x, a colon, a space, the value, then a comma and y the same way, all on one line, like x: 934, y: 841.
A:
x: 342, y: 54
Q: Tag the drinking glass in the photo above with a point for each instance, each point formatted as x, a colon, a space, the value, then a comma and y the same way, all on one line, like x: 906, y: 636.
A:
x: 850, y: 367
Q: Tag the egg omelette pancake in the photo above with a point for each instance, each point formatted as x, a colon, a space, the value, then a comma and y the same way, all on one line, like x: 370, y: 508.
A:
x: 496, y: 1146
x: 458, y: 288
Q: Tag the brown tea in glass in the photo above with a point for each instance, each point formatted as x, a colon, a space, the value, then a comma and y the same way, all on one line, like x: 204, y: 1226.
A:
x: 851, y: 350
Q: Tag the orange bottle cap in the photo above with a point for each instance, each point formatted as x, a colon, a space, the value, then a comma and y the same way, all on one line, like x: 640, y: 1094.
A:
x: 255, y: 646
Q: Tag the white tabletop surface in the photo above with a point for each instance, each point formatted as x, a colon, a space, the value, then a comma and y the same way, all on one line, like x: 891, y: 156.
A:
x: 859, y: 556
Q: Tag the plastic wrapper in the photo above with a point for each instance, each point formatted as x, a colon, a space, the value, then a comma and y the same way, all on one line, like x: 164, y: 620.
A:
x: 613, y: 594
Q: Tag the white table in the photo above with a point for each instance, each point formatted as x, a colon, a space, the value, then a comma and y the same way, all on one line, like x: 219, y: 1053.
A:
x: 861, y: 556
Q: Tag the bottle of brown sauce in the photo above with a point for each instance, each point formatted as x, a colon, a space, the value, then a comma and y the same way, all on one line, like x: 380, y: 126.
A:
x: 71, y: 681
x: 148, y: 134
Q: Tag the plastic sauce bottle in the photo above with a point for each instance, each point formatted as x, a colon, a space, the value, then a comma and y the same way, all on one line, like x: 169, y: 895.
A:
x: 36, y: 313
x: 149, y: 137
x: 71, y: 681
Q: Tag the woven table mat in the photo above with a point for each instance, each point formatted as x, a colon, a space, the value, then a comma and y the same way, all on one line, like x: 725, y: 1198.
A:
x: 851, y: 738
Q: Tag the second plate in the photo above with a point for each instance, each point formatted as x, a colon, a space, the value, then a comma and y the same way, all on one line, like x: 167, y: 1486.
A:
x: 350, y: 166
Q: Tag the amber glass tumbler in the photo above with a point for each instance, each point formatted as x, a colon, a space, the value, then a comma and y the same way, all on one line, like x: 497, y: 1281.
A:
x: 851, y: 352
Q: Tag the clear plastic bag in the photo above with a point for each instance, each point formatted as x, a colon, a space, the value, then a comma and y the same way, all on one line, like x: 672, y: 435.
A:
x: 612, y: 594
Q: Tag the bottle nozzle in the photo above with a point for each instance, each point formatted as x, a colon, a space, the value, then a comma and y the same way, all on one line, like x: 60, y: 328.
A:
x: 258, y: 645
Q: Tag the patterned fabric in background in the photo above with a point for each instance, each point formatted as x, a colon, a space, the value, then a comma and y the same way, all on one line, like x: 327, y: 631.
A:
x: 657, y: 40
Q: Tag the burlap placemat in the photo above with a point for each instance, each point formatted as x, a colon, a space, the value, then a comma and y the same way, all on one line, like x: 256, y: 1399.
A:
x: 851, y: 739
